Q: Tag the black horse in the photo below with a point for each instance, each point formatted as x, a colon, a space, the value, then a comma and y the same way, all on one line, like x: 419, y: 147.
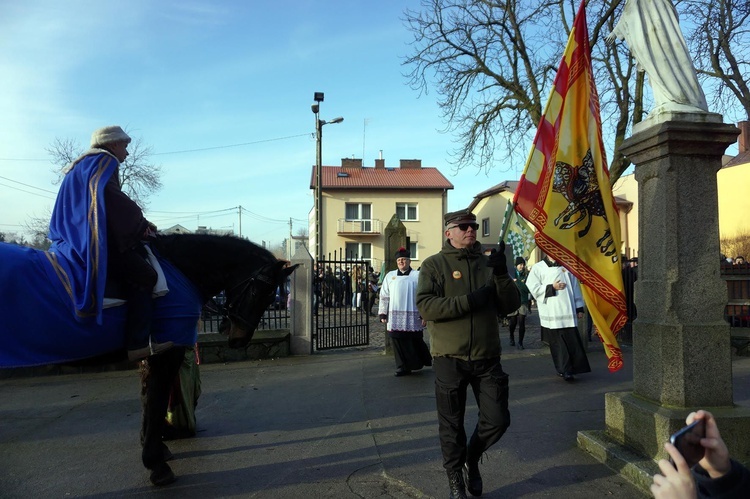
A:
x: 249, y: 276
x: 39, y: 328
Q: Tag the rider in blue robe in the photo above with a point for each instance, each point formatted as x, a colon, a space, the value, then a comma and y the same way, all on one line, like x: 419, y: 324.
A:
x: 100, y: 231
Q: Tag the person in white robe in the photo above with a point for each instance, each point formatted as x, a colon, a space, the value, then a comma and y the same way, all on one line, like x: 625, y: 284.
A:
x: 560, y: 303
x: 398, y: 310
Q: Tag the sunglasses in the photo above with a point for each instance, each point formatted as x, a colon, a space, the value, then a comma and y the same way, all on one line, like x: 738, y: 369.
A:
x: 465, y: 227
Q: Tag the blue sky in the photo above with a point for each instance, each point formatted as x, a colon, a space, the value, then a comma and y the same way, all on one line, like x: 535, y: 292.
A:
x: 221, y: 90
x: 187, y: 75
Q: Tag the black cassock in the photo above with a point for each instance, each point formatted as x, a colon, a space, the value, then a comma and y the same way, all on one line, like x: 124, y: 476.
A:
x: 567, y: 350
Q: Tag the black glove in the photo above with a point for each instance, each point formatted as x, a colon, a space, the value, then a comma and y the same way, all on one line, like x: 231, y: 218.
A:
x: 478, y: 299
x: 496, y: 260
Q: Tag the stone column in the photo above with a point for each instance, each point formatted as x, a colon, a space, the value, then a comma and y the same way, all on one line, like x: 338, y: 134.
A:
x: 395, y: 238
x: 682, y: 356
x: 681, y: 343
x: 301, y: 327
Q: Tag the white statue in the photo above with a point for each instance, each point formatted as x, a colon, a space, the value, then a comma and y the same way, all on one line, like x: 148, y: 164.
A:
x: 652, y: 31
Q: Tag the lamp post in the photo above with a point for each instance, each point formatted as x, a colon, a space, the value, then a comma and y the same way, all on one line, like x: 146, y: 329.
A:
x: 318, y: 97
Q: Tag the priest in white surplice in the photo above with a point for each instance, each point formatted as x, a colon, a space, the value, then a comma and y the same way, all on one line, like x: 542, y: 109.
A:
x: 398, y: 310
x: 560, y: 303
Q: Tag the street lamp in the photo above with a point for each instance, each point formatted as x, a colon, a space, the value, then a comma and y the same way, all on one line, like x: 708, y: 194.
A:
x: 318, y: 97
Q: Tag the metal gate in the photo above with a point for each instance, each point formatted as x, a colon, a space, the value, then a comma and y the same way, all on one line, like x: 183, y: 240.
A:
x: 341, y: 303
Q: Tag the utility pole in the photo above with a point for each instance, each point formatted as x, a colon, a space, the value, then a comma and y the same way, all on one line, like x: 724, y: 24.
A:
x: 290, y: 246
x: 239, y: 214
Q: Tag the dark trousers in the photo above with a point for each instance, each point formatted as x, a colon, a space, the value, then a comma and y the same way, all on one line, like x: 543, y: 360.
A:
x: 138, y: 278
x: 490, y: 386
x: 519, y: 320
x: 161, y: 371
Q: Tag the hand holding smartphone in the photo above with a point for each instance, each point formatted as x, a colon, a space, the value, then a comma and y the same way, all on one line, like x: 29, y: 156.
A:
x: 688, y: 442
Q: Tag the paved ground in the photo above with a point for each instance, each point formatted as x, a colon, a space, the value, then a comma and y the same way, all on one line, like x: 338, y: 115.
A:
x: 329, y: 425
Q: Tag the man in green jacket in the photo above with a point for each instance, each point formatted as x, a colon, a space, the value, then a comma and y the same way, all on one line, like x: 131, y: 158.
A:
x: 460, y: 293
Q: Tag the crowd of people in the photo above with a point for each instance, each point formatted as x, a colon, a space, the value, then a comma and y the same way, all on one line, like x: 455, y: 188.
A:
x: 728, y: 260
x: 351, y: 286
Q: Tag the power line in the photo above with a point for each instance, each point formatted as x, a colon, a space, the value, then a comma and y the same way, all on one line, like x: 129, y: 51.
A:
x: 192, y: 212
x: 231, y: 145
x: 27, y: 185
x: 263, y: 218
x: 189, y: 150
x: 24, y: 159
x: 27, y: 192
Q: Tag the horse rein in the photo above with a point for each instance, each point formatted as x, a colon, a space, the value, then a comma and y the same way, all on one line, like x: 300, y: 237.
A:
x: 225, y: 311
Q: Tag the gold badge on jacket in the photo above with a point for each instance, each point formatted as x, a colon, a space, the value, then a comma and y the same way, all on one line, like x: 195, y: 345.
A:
x: 457, y: 274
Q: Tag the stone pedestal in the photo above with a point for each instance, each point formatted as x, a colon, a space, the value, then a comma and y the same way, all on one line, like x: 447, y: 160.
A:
x: 301, y: 314
x: 681, y: 343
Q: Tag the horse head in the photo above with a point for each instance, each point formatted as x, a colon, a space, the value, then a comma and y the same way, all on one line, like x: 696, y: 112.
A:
x: 248, y: 299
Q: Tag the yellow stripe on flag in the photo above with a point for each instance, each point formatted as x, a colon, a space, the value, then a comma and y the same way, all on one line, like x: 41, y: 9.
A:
x: 565, y: 192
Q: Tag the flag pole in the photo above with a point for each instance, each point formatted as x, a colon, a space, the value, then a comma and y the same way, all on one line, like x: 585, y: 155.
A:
x: 506, y: 221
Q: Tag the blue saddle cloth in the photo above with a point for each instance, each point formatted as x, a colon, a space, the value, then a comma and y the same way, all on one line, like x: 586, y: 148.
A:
x: 38, y: 325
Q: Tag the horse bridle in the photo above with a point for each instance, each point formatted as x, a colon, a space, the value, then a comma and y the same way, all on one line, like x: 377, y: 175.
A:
x: 227, y: 311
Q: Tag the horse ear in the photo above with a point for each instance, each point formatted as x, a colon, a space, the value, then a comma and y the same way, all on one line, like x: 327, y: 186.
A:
x: 288, y: 271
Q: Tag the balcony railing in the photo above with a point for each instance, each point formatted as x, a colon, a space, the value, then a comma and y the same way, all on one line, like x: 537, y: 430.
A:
x: 371, y: 227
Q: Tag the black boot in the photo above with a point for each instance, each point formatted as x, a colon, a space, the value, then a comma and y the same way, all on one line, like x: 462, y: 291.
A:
x: 456, y: 484
x: 473, y: 477
x: 162, y: 475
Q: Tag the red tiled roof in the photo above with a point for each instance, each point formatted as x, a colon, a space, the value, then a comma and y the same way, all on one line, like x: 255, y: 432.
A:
x: 381, y: 178
x: 740, y: 159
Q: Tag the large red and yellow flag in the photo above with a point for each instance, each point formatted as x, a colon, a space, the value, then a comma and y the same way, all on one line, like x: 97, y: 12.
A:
x: 565, y: 192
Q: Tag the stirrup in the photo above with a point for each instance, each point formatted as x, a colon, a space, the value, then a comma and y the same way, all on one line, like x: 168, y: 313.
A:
x: 157, y: 348
x: 139, y: 353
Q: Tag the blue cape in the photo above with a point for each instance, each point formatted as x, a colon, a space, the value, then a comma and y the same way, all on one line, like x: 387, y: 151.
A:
x: 51, y: 302
x: 78, y: 231
x: 37, y: 325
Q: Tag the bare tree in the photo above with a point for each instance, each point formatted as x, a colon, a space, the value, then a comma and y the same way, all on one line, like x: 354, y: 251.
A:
x: 492, y: 63
x: 139, y: 178
x: 38, y: 227
x: 490, y: 79
x: 63, y: 152
x: 719, y: 39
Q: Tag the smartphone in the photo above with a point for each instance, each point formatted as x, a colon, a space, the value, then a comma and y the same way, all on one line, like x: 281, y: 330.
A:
x: 688, y: 442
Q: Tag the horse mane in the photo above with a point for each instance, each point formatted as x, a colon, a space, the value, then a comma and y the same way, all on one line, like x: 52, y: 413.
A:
x: 209, y: 259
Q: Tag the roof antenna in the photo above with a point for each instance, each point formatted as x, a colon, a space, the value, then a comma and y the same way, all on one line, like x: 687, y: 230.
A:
x: 364, y: 131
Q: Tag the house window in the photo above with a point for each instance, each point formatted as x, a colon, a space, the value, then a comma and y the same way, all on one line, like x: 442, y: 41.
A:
x: 413, y: 250
x: 406, y: 211
x: 360, y: 212
x: 485, y: 227
x: 358, y: 251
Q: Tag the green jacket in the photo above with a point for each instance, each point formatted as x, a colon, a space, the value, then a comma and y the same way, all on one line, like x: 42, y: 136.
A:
x: 522, y: 288
x: 445, y: 279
